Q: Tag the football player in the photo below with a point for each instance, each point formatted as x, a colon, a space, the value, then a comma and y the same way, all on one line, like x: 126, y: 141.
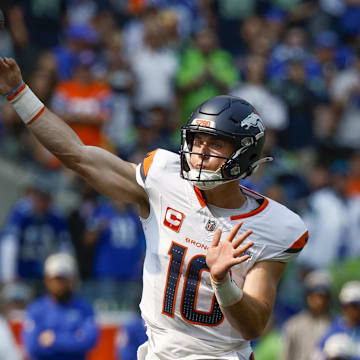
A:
x: 215, y: 250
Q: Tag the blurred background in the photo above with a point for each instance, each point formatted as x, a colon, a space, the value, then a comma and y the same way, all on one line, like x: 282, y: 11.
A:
x: 125, y: 75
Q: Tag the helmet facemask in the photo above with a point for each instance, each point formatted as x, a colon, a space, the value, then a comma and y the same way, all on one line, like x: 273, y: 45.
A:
x: 231, y: 170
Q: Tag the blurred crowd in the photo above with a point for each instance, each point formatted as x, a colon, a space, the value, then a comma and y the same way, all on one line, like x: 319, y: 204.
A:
x: 125, y: 75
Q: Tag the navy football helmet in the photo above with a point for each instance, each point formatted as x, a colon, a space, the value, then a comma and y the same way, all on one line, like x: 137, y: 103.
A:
x: 234, y: 120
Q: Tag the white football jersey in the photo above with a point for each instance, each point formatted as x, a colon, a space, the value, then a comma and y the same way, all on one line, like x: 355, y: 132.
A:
x: 183, y: 318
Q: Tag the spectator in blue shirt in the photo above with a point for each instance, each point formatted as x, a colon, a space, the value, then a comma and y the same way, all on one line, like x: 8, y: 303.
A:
x: 119, y: 242
x: 59, y: 325
x: 33, y: 231
x: 115, y: 233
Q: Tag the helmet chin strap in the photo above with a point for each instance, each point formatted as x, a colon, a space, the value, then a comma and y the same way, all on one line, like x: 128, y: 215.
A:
x: 211, y: 179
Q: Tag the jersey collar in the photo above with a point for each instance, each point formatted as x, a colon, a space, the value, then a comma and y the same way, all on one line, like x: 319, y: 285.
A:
x: 263, y: 201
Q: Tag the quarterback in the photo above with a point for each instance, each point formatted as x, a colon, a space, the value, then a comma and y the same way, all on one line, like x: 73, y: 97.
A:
x: 215, y: 250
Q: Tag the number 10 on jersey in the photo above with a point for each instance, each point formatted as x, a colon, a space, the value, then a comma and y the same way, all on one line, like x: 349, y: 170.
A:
x: 194, y: 269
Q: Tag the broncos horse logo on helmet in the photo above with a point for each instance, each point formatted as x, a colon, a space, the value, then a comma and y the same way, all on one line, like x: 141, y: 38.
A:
x: 253, y: 120
x: 234, y: 120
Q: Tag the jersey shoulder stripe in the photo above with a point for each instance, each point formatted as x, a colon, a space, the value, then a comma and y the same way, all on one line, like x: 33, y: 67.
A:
x: 159, y: 168
x: 146, y: 164
x: 299, y: 244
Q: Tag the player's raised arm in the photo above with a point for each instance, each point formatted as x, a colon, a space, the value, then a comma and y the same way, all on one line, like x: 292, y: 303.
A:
x: 107, y: 173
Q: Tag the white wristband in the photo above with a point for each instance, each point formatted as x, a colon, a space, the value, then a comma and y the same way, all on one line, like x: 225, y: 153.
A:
x: 26, y: 104
x: 227, y: 292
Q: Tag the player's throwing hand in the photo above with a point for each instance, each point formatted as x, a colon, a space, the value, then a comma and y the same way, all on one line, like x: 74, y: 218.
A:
x: 221, y: 256
x: 10, y: 75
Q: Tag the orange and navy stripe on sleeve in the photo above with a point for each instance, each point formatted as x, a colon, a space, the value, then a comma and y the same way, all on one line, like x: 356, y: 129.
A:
x: 299, y: 244
x: 13, y: 93
x: 146, y: 164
